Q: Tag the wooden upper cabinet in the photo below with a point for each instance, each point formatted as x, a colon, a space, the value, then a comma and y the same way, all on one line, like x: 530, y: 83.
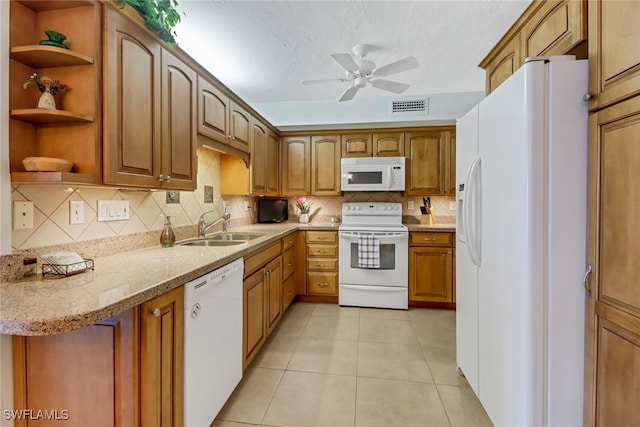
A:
x: 425, y: 163
x: 264, y: 161
x: 357, y: 145
x: 325, y: 165
x: 545, y: 28
x: 450, y: 168
x: 132, y: 122
x: 241, y: 129
x: 73, y: 131
x: 273, y: 163
x: 556, y: 28
x: 179, y: 123
x: 388, y: 144
x: 213, y: 112
x: 503, y: 63
x: 614, y: 54
x: 296, y: 165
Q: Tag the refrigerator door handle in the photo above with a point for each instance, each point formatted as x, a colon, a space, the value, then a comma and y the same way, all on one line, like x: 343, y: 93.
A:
x: 473, y: 238
x: 585, y: 279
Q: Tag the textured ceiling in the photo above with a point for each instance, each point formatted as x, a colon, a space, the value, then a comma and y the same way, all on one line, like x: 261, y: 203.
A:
x: 263, y: 50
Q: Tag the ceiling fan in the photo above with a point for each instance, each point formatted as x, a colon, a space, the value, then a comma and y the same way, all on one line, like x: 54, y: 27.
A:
x: 360, y: 72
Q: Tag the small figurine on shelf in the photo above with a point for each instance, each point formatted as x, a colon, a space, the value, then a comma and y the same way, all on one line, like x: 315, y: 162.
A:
x: 56, y: 39
x: 48, y: 86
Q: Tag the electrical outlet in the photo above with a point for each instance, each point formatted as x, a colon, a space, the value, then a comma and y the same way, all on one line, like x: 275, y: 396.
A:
x: 452, y: 206
x: 22, y: 215
x: 246, y: 206
x: 76, y: 212
x: 410, y: 205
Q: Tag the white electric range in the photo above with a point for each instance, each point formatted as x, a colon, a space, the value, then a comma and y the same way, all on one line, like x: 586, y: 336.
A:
x: 373, y: 253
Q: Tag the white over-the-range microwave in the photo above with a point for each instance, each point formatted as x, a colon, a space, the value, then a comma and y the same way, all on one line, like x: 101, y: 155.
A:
x: 373, y: 173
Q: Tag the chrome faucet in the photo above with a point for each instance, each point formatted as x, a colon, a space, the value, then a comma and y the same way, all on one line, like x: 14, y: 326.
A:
x: 203, y: 226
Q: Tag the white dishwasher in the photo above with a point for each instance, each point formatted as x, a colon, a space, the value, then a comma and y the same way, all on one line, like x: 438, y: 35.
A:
x: 212, y: 342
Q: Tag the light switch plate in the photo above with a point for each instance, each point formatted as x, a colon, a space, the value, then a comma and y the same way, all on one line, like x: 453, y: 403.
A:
x: 76, y: 212
x: 113, y: 210
x: 22, y: 215
x: 410, y: 205
x: 452, y: 206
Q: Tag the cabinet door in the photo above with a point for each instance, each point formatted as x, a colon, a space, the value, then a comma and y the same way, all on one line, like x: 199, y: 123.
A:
x: 132, y: 126
x: 273, y: 271
x: 254, y: 316
x: 430, y: 274
x: 213, y: 112
x: 259, y: 163
x: 357, y: 145
x: 179, y: 123
x: 273, y: 164
x: 161, y: 370
x: 614, y: 57
x: 613, y: 305
x: 240, y: 128
x: 296, y: 165
x: 505, y: 62
x: 450, y: 163
x: 388, y: 144
x: 425, y: 163
x: 90, y: 373
x: 325, y: 165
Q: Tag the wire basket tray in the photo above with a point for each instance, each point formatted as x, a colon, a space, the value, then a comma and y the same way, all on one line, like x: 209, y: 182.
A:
x: 67, y: 270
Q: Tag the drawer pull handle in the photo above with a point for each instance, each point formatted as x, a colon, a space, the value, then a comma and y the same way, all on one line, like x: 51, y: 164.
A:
x: 321, y: 265
x: 156, y: 312
x: 290, y: 264
x: 430, y: 239
x: 322, y: 237
x: 323, y: 251
x: 323, y: 284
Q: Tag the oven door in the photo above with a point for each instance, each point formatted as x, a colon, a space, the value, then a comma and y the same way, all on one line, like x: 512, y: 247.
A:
x: 393, y: 269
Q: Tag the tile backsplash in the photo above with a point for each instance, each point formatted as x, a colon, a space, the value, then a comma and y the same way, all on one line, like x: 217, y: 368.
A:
x: 148, y: 209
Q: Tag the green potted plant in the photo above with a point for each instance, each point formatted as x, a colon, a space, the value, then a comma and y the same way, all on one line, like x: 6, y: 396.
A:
x: 160, y: 15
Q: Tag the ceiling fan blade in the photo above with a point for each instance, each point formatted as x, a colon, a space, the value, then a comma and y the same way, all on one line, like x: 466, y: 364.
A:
x: 346, y: 61
x: 349, y: 94
x: 313, y: 82
x: 390, y: 86
x: 408, y: 63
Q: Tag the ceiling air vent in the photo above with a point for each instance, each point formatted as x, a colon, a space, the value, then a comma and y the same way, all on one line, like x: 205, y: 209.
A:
x: 411, y: 106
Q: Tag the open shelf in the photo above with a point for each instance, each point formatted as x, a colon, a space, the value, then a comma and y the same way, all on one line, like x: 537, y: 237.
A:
x: 38, y: 56
x: 43, y: 115
x: 52, y: 178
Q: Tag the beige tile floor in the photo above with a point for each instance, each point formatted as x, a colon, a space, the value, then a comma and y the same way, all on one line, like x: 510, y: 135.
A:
x: 332, y: 366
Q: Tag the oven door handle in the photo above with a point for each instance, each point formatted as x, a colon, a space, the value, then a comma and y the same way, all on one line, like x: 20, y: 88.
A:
x: 380, y: 235
x: 376, y: 288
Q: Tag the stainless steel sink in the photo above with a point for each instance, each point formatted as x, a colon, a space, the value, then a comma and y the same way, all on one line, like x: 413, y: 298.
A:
x: 212, y: 242
x: 234, y: 236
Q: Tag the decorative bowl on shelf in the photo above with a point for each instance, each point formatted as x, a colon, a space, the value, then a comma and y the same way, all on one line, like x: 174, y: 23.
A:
x: 46, y: 164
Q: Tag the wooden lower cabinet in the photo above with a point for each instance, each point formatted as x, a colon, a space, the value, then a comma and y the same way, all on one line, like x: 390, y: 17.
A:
x: 254, y: 317
x: 86, y: 376
x: 273, y: 272
x: 161, y: 352
x: 123, y: 371
x: 431, y: 267
x: 322, y: 263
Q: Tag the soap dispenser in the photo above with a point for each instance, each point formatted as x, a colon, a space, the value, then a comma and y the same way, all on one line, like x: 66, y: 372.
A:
x: 168, y: 237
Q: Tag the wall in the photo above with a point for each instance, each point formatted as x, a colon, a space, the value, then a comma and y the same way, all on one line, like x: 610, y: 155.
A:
x: 147, y: 209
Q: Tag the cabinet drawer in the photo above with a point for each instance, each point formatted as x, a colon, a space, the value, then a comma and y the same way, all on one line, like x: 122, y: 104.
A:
x: 288, y: 263
x: 288, y: 241
x: 288, y: 292
x: 257, y: 259
x: 322, y: 250
x: 322, y: 237
x: 322, y: 264
x: 430, y: 239
x: 322, y: 283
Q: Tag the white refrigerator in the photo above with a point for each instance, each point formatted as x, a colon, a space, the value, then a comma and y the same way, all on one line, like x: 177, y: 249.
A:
x: 521, y: 175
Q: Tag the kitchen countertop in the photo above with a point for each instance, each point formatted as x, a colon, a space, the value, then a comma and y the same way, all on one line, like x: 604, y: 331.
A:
x: 49, y: 305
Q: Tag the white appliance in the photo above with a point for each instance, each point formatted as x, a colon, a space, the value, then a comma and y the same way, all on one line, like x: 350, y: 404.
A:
x: 212, y: 342
x: 373, y: 173
x: 384, y: 285
x: 521, y: 163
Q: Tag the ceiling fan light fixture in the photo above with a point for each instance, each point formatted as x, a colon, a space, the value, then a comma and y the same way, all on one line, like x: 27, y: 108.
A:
x: 360, y: 82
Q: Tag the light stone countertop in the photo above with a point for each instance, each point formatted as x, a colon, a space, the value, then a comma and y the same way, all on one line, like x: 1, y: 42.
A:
x: 49, y: 305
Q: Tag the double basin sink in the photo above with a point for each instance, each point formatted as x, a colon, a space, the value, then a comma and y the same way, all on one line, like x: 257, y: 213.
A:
x: 223, y: 239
